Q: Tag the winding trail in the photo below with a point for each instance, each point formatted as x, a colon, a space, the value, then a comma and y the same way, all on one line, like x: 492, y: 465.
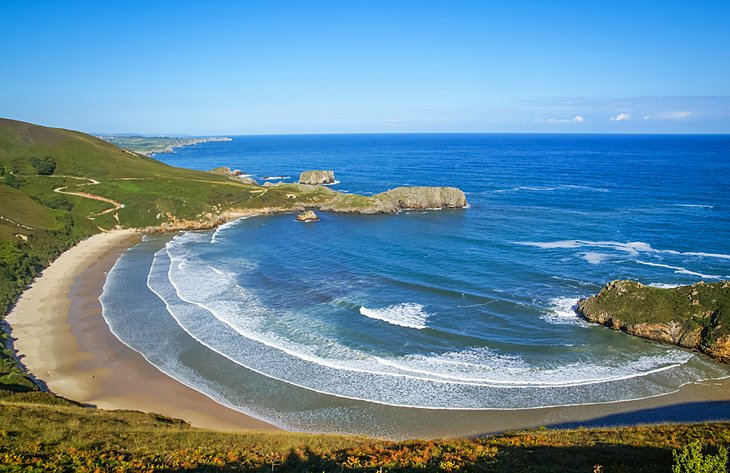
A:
x: 92, y: 182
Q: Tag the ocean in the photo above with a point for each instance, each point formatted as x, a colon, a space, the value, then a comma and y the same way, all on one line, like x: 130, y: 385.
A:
x: 431, y: 321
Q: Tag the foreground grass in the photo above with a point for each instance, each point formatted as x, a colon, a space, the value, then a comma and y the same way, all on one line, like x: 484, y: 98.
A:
x: 39, y: 432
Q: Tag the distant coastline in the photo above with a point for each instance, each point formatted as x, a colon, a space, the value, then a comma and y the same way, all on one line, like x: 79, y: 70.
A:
x: 152, y: 145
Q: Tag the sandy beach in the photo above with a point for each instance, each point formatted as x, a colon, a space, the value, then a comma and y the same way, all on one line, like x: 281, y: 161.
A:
x: 64, y: 341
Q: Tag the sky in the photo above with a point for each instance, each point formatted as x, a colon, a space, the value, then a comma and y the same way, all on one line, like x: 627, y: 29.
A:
x: 269, y: 67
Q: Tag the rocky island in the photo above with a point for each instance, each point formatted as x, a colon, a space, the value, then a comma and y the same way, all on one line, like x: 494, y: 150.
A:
x: 317, y: 177
x: 696, y: 316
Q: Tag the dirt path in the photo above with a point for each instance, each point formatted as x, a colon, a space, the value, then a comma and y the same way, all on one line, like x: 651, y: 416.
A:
x: 92, y: 182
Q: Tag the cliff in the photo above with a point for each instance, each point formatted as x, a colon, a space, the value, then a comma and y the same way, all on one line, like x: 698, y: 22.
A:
x: 696, y: 316
x: 317, y: 177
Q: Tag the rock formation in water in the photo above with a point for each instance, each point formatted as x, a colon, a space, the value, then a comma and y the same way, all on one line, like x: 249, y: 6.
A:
x: 307, y: 216
x: 395, y: 200
x: 696, y: 316
x: 317, y: 177
x: 424, y: 197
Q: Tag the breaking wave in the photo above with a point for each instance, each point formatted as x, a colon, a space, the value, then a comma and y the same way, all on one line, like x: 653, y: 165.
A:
x: 409, y: 315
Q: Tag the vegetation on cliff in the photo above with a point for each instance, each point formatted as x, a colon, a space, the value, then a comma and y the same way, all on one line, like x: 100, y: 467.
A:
x: 42, y: 433
x: 696, y: 316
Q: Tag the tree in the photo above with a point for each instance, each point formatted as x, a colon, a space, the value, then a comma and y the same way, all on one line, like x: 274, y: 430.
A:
x: 43, y: 166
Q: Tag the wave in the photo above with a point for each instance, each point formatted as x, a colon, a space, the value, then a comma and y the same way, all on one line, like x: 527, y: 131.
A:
x: 595, y: 257
x: 274, y: 178
x: 662, y: 285
x: 231, y: 321
x: 410, y: 315
x: 562, y: 312
x: 224, y: 227
x: 695, y: 206
x: 331, y: 183
x: 680, y: 270
x: 633, y: 248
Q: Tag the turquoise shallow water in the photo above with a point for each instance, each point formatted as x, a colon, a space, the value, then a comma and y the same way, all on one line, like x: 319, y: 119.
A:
x: 373, y: 324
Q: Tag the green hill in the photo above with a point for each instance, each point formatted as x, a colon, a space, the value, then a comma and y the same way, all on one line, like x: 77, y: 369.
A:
x: 58, y: 187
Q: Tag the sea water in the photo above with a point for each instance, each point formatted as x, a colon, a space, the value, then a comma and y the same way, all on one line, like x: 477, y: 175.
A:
x: 397, y: 324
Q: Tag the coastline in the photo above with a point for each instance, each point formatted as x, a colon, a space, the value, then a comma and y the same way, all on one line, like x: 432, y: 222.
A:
x: 63, y: 340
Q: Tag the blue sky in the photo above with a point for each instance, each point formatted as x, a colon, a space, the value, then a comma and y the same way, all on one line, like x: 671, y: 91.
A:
x: 272, y: 66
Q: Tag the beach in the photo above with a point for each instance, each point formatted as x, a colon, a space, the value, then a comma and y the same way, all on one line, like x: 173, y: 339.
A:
x: 63, y: 340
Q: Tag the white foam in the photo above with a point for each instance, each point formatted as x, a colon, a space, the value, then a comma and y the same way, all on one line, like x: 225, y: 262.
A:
x: 224, y: 227
x: 562, y: 312
x: 594, y: 257
x: 295, y: 348
x: 633, y: 248
x: 550, y: 244
x: 680, y: 270
x: 275, y: 178
x: 409, y: 315
x: 331, y: 183
x: 695, y: 206
x: 662, y: 285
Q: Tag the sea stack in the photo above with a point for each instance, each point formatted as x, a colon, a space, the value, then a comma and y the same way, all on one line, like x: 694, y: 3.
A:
x: 317, y: 177
x: 307, y: 216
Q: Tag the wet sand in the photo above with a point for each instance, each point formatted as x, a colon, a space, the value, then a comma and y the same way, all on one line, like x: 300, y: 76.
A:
x: 64, y: 341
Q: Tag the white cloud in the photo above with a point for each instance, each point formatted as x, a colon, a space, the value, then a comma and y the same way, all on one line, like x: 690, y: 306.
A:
x: 621, y: 117
x: 676, y: 115
x: 575, y: 119
x: 647, y: 117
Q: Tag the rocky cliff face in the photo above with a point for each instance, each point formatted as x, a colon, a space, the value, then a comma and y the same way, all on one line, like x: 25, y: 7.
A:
x: 317, y: 177
x: 696, y: 316
x: 395, y: 200
x: 405, y: 198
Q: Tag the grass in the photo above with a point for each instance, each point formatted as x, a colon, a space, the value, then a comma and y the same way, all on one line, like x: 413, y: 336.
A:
x: 704, y: 307
x: 43, y: 433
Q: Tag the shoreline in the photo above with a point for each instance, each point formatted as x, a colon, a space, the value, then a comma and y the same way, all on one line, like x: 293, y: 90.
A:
x: 62, y: 339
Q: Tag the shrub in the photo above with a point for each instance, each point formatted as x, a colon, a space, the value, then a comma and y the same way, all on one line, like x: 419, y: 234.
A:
x: 43, y: 166
x: 692, y: 460
x: 11, y: 180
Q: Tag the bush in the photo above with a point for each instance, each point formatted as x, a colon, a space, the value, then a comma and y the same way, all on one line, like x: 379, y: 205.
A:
x: 43, y: 166
x: 11, y: 180
x: 692, y: 460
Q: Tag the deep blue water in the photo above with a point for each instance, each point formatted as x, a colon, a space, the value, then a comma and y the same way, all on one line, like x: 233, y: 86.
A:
x: 359, y: 322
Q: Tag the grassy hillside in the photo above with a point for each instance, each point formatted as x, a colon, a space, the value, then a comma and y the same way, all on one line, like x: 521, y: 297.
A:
x: 58, y: 187
x: 55, y: 190
x: 42, y: 433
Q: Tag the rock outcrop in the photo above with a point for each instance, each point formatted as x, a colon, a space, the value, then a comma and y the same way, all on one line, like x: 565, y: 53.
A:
x: 405, y: 198
x: 247, y: 180
x: 314, y: 178
x: 696, y: 316
x: 236, y: 174
x: 395, y: 200
x: 307, y: 216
